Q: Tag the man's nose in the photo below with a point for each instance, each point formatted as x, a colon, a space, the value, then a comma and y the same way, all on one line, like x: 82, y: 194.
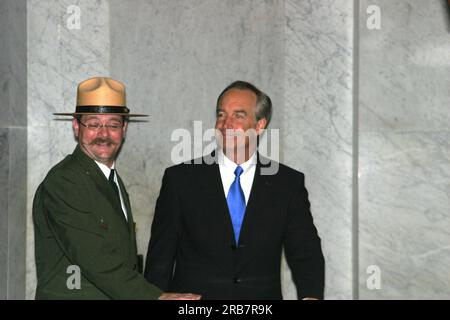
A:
x: 103, y: 132
x: 228, y: 123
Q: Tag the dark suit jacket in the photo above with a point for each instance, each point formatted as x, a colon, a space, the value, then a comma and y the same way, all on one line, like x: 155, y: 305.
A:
x: 192, y: 246
x: 78, y: 221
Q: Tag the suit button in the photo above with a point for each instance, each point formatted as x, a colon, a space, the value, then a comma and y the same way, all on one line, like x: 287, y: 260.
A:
x: 233, y: 247
x: 236, y: 280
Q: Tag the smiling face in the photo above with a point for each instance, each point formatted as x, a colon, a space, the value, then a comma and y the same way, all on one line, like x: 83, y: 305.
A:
x: 237, y: 124
x: 103, y: 144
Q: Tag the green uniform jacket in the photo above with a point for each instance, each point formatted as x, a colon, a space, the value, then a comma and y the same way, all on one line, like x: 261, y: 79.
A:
x: 79, y: 225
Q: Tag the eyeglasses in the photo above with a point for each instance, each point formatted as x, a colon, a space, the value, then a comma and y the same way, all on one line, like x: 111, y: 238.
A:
x: 97, y: 126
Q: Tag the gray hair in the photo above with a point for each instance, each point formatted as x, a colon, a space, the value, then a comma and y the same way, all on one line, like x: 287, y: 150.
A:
x: 263, y: 102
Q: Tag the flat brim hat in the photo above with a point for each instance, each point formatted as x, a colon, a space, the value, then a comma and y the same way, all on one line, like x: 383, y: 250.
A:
x: 101, y: 95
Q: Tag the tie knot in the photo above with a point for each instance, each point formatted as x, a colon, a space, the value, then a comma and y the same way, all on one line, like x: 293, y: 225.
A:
x: 111, y: 175
x: 238, y: 171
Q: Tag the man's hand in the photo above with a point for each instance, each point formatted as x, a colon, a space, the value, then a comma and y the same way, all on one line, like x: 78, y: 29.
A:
x: 179, y: 296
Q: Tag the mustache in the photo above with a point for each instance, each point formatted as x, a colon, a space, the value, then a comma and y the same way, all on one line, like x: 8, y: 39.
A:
x: 102, y: 141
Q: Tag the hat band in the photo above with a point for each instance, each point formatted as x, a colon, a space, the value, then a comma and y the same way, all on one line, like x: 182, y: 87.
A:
x: 102, y: 109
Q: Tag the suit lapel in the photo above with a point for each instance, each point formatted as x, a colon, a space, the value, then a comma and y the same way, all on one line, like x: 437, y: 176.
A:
x: 258, y: 196
x: 217, y: 203
x: 93, y: 171
x: 126, y: 200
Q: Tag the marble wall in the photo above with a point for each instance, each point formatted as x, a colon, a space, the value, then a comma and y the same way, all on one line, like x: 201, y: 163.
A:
x: 62, y: 51
x: 404, y: 141
x: 317, y: 124
x: 13, y: 148
x: 176, y: 56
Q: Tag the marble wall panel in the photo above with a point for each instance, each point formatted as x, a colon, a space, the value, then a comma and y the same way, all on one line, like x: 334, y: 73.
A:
x: 404, y: 215
x: 404, y: 151
x: 13, y: 148
x: 317, y: 125
x: 404, y: 66
x: 4, y: 177
x: 68, y: 42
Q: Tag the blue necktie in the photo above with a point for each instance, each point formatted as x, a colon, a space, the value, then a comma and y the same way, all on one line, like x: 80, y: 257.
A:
x: 236, y: 203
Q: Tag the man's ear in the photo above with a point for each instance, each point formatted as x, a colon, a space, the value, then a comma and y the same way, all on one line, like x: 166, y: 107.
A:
x: 260, y: 125
x: 125, y: 126
x: 76, y: 127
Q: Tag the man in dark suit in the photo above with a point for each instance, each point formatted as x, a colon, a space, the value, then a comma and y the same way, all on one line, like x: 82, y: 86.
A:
x: 219, y: 229
x: 85, y: 242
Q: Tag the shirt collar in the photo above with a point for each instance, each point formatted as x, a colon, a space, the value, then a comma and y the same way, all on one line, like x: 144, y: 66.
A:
x: 105, y: 169
x: 230, y: 165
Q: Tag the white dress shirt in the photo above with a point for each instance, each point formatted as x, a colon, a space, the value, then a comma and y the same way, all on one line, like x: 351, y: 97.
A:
x: 227, y: 167
x: 107, y: 171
